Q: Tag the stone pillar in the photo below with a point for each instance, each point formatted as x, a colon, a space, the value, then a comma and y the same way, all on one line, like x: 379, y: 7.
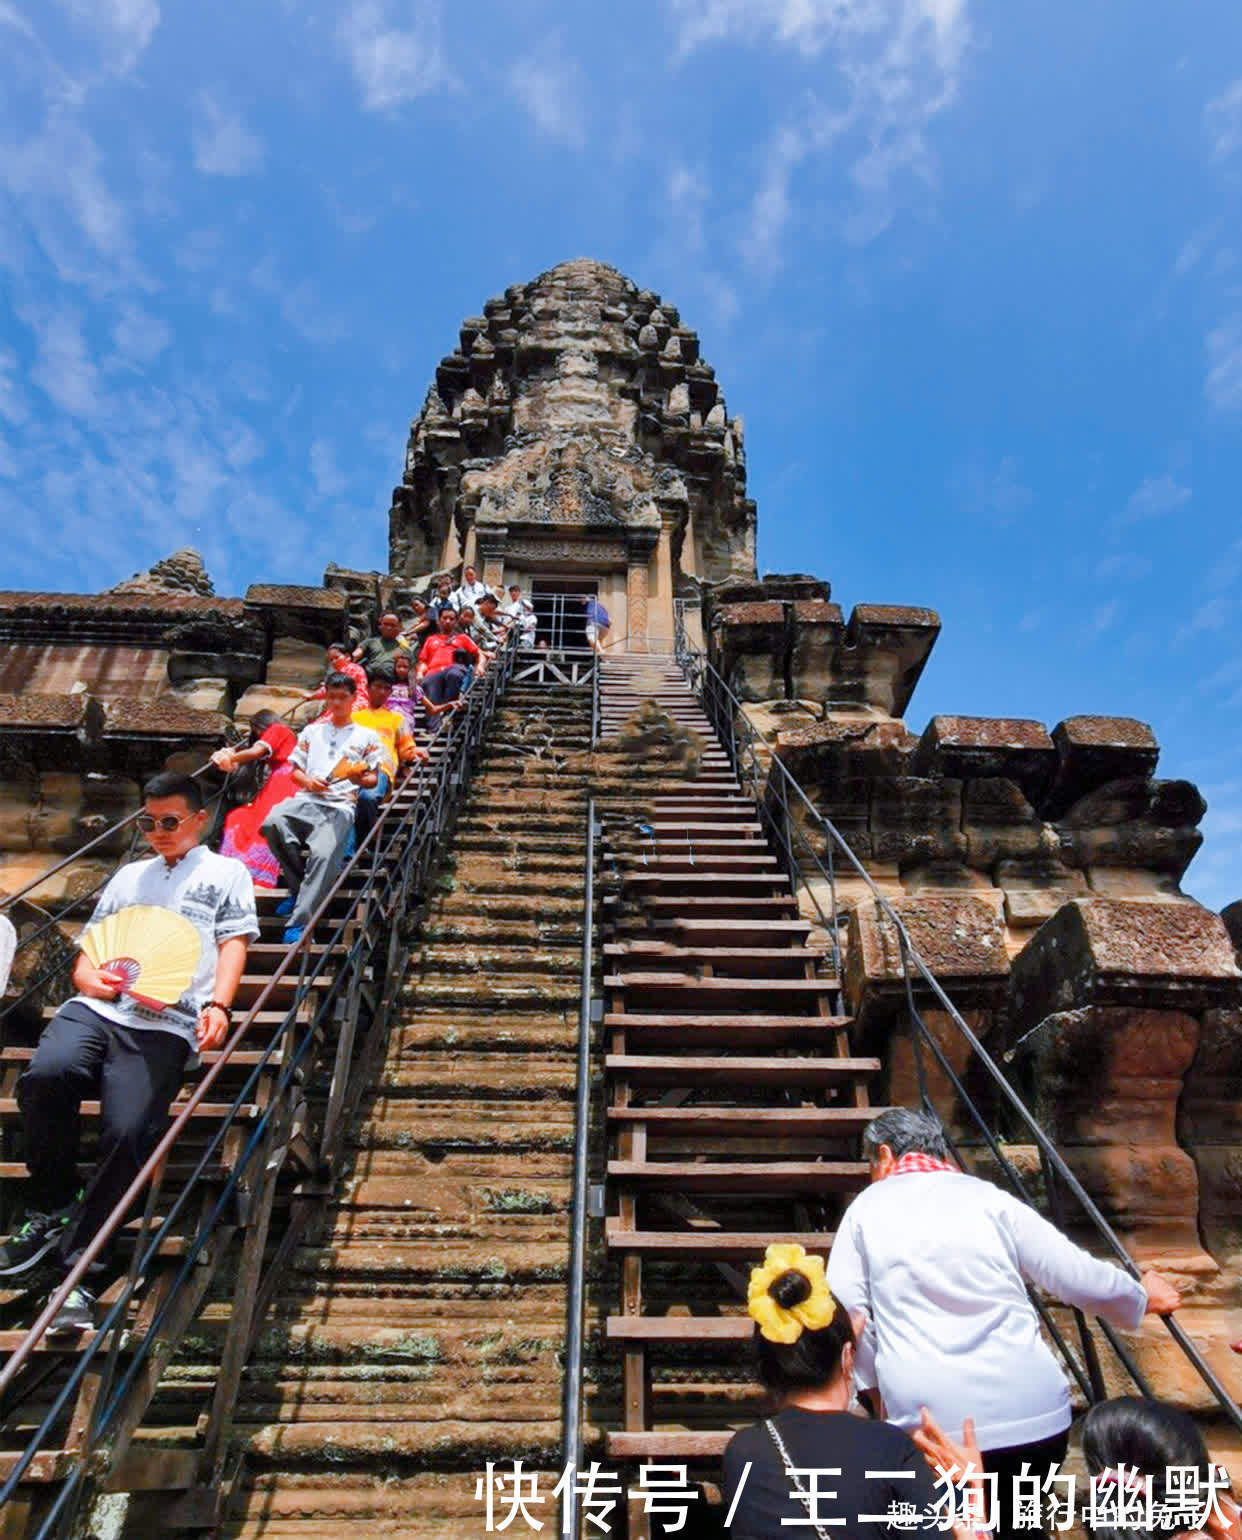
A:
x: 639, y: 546
x: 1109, y: 995
x: 491, y: 550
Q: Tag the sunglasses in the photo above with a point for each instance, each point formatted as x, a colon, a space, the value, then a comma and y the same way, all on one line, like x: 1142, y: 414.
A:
x: 170, y: 823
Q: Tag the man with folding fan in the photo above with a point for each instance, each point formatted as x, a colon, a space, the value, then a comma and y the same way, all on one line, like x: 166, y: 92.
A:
x: 158, y: 968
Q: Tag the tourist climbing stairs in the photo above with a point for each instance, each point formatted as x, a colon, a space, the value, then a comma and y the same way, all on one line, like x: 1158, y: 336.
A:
x: 735, y: 1099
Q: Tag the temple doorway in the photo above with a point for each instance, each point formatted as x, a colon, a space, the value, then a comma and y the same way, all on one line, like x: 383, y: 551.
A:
x: 559, y: 611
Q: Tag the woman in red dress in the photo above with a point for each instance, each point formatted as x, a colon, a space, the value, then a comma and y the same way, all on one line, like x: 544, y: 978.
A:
x: 271, y: 743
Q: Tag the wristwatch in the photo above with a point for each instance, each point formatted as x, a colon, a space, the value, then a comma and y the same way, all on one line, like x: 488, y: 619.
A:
x: 219, y: 1005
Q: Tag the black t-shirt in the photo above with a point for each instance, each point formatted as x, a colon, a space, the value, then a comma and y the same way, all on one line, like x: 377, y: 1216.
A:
x: 825, y: 1441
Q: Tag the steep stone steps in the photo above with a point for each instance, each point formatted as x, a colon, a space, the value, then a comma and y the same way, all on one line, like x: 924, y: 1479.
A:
x: 735, y: 1100
x: 418, y: 1334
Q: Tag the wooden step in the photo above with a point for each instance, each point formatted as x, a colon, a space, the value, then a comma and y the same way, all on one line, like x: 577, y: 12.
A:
x: 757, y: 1122
x: 680, y: 987
x: 774, y: 961
x: 684, y: 1070
x: 680, y: 1328
x: 743, y: 1177
x: 711, y: 1245
x: 683, y: 1447
x: 686, y: 1029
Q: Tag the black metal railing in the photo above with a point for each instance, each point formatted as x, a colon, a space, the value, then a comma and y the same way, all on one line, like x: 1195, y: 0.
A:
x: 572, y: 1387
x: 378, y: 887
x: 787, y: 813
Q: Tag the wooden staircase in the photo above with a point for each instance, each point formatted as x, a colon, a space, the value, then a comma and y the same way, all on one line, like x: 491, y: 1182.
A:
x: 735, y: 1100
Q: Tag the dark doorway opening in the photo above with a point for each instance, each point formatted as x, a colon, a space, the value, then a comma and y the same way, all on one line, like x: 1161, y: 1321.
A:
x: 559, y: 613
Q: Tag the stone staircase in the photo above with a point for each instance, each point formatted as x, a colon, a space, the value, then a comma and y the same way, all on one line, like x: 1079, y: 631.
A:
x: 419, y: 1336
x: 735, y: 1097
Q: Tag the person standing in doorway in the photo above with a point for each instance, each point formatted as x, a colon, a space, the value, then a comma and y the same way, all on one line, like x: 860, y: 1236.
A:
x: 598, y: 623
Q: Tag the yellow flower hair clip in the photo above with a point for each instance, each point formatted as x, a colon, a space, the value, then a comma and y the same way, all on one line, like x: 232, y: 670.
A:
x: 776, y: 1322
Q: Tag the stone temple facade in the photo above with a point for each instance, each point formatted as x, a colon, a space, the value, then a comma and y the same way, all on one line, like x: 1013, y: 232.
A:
x: 577, y: 439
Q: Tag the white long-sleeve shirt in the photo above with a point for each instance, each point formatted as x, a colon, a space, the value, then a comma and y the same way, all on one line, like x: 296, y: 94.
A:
x: 937, y: 1261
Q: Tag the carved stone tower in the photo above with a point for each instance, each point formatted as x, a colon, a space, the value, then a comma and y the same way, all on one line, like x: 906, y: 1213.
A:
x: 578, y: 441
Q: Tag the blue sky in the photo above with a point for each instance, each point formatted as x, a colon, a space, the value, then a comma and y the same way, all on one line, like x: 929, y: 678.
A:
x: 970, y: 273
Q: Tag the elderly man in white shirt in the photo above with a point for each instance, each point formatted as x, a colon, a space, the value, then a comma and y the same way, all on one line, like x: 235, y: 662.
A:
x: 938, y: 1262
x: 469, y: 591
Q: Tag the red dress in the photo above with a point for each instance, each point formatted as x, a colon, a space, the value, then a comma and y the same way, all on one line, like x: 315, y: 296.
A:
x: 241, y: 828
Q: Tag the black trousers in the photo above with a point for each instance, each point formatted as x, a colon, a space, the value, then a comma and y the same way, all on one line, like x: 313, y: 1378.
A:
x: 1008, y: 1463
x: 135, y: 1073
x: 444, y: 684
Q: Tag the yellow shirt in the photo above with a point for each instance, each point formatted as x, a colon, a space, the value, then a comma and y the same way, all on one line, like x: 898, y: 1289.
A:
x: 393, y: 733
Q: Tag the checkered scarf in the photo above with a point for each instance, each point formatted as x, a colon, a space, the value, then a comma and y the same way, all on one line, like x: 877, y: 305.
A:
x: 917, y: 1161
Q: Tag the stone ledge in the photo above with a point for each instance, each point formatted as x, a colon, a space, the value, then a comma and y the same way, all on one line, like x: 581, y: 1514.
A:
x: 961, y: 939
x: 1108, y: 951
x: 1015, y: 748
x: 1095, y: 750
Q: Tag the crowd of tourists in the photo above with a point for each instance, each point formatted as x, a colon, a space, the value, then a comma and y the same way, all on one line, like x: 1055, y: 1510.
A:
x: 314, y: 795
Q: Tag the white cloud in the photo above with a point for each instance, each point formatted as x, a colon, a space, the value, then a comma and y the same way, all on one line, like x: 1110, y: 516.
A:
x: 1223, y: 386
x: 1222, y: 118
x: 223, y: 145
x: 328, y: 477
x: 10, y: 16
x: 139, y: 336
x: 548, y: 86
x: 1102, y: 619
x: 12, y: 404
x: 1211, y: 615
x: 898, y: 65
x: 1000, y: 493
x: 56, y: 181
x: 300, y: 304
x: 124, y: 27
x: 1125, y: 567
x: 1154, y: 497
x: 64, y: 370
x: 392, y: 64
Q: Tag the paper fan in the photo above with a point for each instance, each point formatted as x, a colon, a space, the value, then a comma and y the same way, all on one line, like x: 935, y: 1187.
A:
x: 344, y: 767
x: 152, y: 951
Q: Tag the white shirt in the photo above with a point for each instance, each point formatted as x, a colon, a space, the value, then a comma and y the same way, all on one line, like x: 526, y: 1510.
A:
x: 937, y: 1260
x: 8, y: 950
x: 468, y: 593
x: 322, y: 746
x: 215, y: 894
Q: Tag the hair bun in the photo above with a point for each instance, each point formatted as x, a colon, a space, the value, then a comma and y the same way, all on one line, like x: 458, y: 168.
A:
x: 790, y: 1288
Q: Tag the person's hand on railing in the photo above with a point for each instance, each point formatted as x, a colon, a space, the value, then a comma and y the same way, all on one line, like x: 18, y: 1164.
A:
x: 1163, y: 1297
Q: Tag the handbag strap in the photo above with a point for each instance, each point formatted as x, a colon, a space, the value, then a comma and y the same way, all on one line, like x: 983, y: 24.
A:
x: 796, y: 1488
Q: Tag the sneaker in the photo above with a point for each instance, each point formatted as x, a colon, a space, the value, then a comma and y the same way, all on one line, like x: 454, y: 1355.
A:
x: 285, y: 906
x: 293, y: 934
x: 77, y: 1313
x: 27, y: 1246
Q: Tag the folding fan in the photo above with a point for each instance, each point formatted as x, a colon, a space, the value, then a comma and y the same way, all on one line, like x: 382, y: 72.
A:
x: 151, y: 952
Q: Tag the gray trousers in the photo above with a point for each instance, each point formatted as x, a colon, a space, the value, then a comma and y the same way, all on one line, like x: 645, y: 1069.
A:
x: 307, y: 836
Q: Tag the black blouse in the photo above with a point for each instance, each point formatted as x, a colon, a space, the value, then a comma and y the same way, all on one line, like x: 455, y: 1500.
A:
x: 825, y: 1441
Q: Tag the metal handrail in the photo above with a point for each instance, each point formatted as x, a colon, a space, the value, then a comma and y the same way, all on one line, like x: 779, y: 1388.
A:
x: 423, y: 822
x: 740, y: 738
x: 571, y: 1397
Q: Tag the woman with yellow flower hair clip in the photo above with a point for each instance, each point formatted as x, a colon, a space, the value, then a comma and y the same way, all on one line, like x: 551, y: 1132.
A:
x: 809, y: 1462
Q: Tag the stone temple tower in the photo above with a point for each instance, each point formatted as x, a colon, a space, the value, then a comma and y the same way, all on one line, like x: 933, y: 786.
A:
x: 577, y: 442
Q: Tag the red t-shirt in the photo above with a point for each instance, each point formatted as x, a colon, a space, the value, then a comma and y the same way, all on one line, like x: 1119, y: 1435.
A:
x: 437, y: 651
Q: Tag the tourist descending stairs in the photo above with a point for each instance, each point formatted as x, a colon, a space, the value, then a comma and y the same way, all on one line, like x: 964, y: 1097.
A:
x: 419, y: 1337
x: 735, y: 1101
